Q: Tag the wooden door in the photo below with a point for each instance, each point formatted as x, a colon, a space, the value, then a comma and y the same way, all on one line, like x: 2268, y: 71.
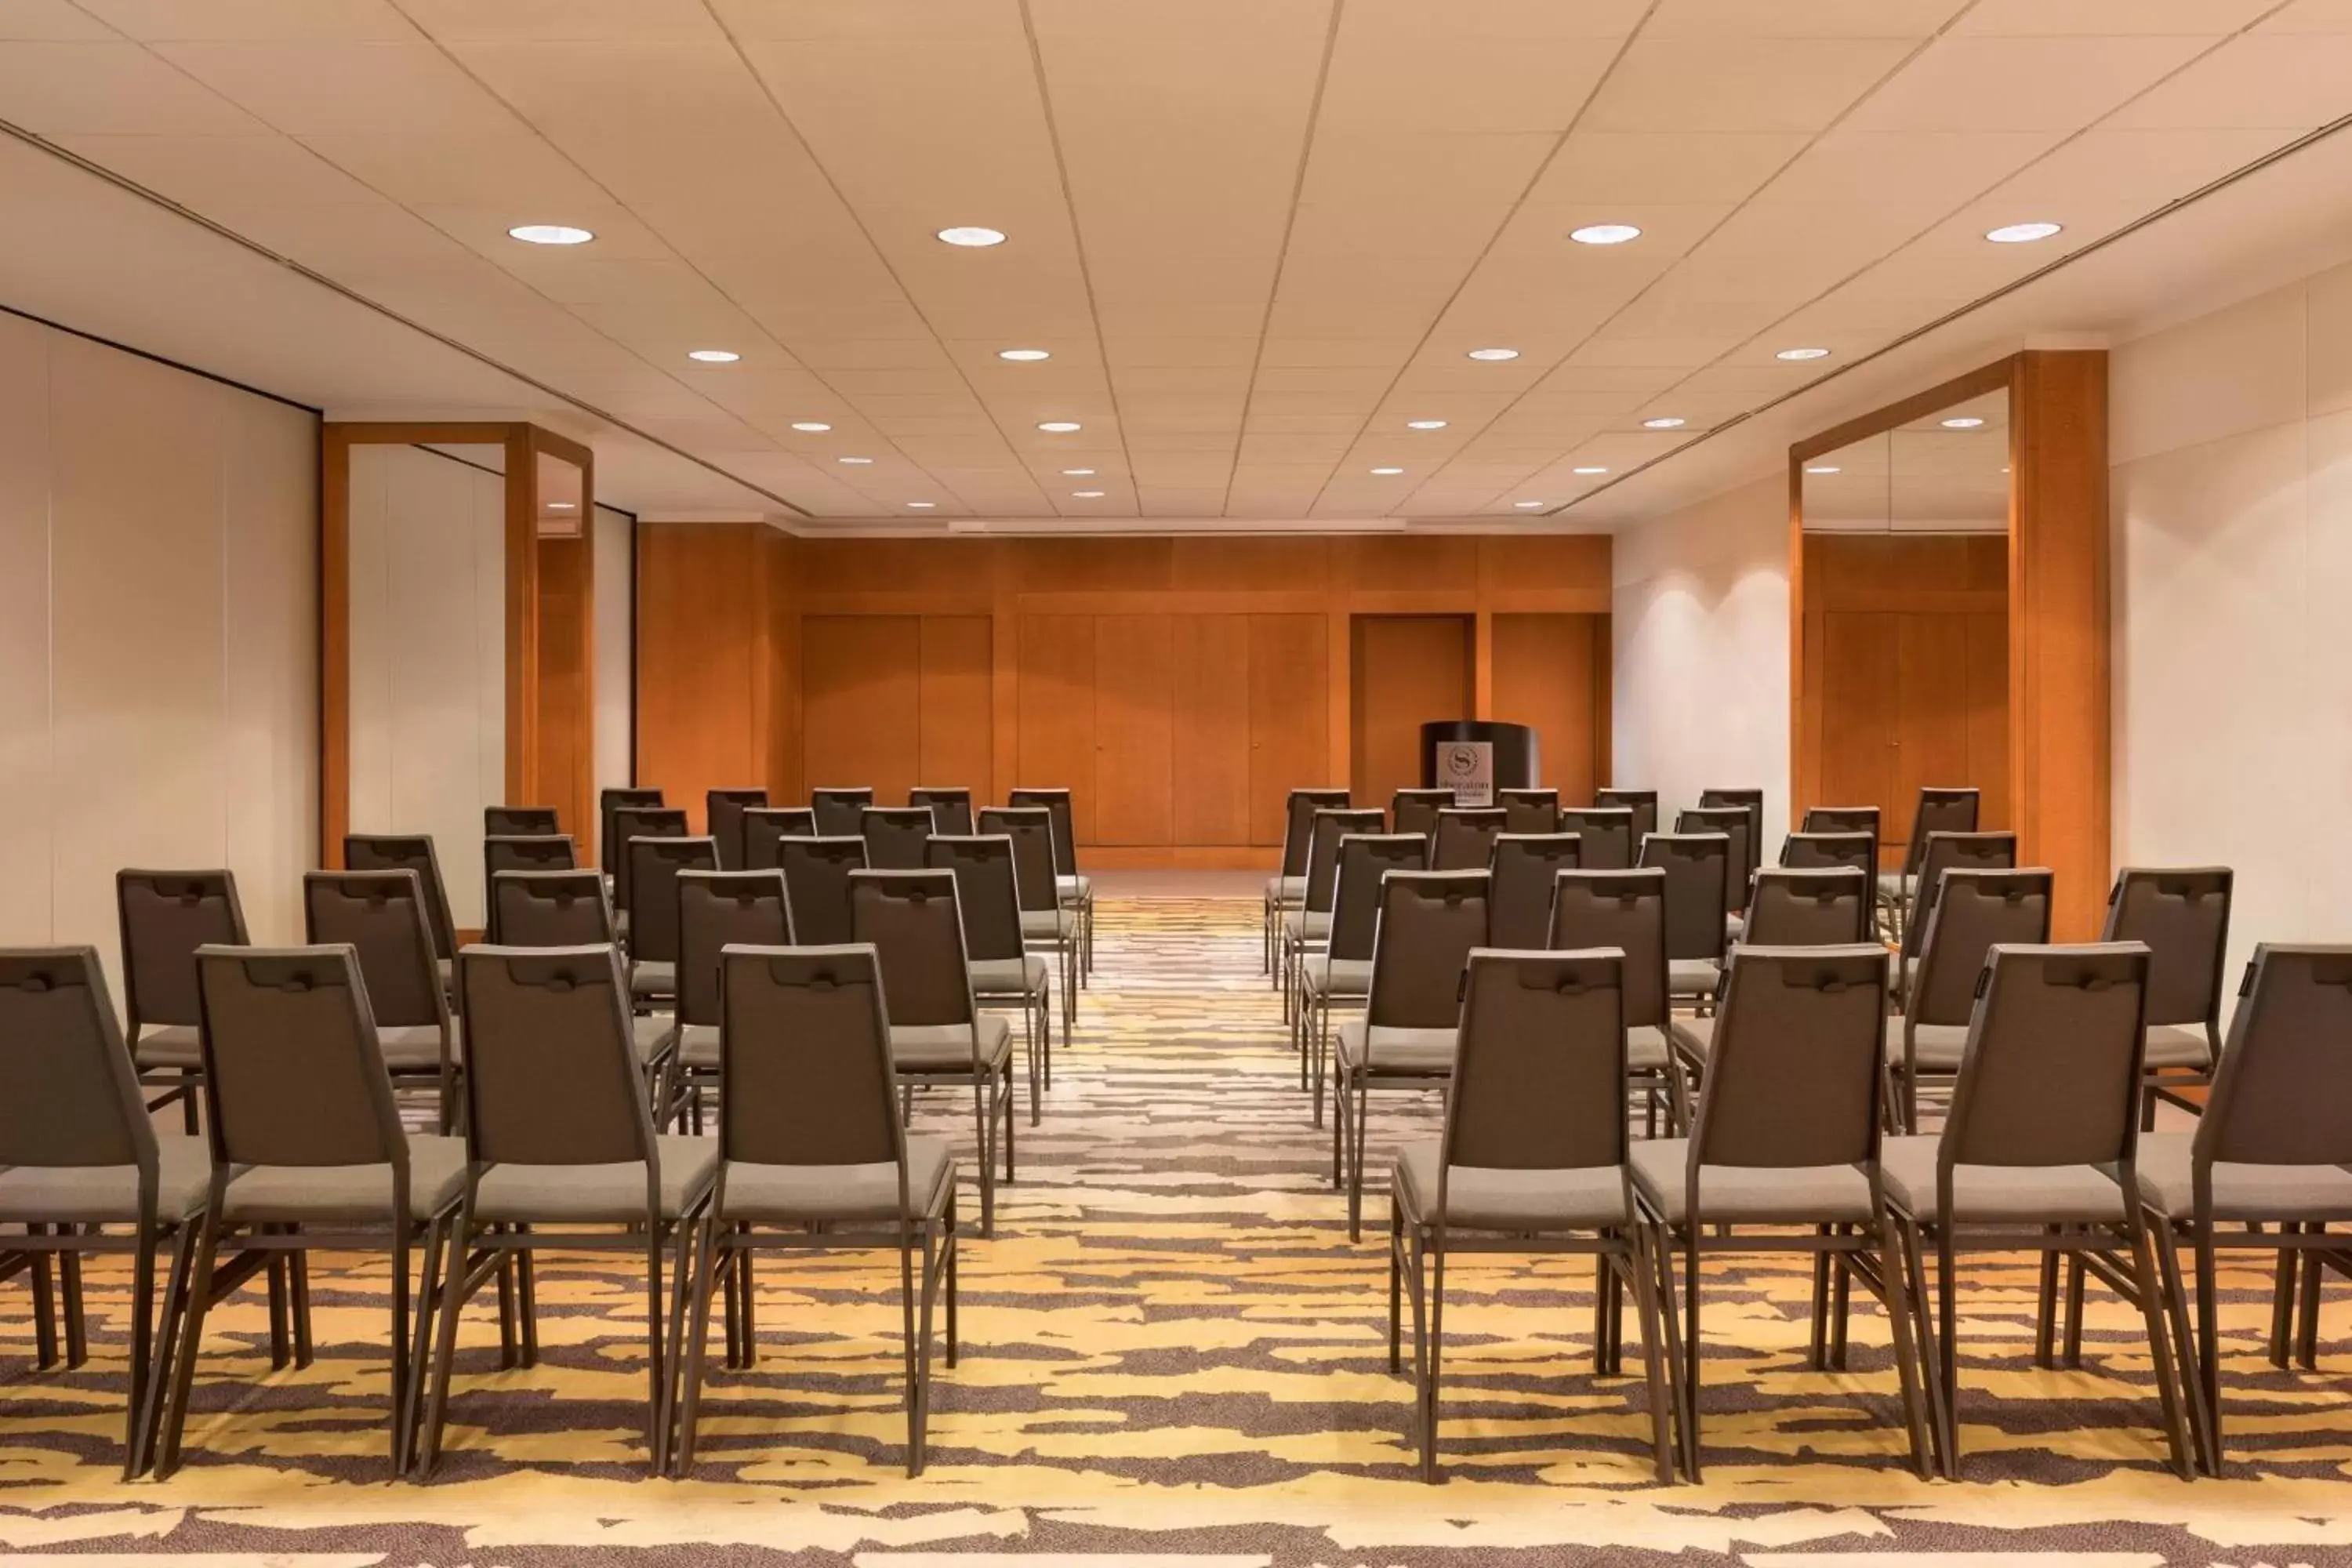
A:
x: 1931, y: 736
x: 1209, y: 670
x: 1548, y: 672
x: 861, y: 703
x: 1057, y: 712
x: 1289, y: 716
x: 1408, y: 671
x: 1859, y: 689
x: 1133, y: 730
x: 958, y: 691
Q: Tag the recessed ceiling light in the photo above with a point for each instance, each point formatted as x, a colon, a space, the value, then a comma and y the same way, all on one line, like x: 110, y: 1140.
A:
x: 972, y: 236
x: 1059, y: 427
x: 1825, y: 468
x: 1803, y: 353
x: 1665, y: 422
x: 561, y: 506
x: 1526, y: 505
x: 714, y: 356
x: 1387, y: 471
x: 1604, y: 234
x: 813, y: 427
x: 1588, y: 471
x: 1964, y: 422
x: 1425, y: 424
x: 549, y: 234
x: 1079, y: 473
x: 1494, y: 353
x: 922, y: 505
x: 2020, y: 233
x: 853, y: 460
x: 1087, y: 495
x: 1024, y: 357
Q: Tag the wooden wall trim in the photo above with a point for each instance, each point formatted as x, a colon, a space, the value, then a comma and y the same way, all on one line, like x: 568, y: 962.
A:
x: 334, y: 642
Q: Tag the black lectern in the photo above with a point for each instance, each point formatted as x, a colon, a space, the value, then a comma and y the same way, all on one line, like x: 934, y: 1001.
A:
x: 1473, y: 759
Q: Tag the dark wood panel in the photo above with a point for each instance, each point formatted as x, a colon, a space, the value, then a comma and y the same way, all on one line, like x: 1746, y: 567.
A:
x: 1988, y: 700
x: 1405, y: 671
x: 1547, y: 677
x: 956, y: 734
x: 1931, y: 706
x: 701, y: 595
x: 1289, y: 715
x: 1058, y: 711
x: 1859, y: 694
x: 1134, y: 753
x: 861, y: 703
x: 1208, y: 659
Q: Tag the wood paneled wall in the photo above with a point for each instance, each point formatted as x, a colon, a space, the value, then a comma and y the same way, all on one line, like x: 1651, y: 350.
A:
x: 1179, y: 686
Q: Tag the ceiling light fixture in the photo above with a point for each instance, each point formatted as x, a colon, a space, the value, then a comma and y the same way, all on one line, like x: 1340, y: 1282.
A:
x: 1425, y: 424
x: 1665, y: 422
x: 549, y: 234
x: 1803, y: 353
x: 1024, y: 357
x: 1491, y: 354
x: 1385, y: 472
x: 1059, y: 427
x: 853, y: 460
x: 1604, y: 234
x: 1087, y: 495
x: 813, y: 427
x: 972, y: 237
x: 2020, y: 233
x: 562, y: 506
x: 1826, y: 469
x: 1588, y: 471
x: 1963, y: 421
x: 1526, y: 505
x: 922, y: 505
x: 1079, y: 473
x: 714, y: 356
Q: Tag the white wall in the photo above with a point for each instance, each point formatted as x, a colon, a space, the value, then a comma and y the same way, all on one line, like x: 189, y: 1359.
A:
x: 428, y: 655
x: 616, y: 685
x: 1700, y: 613
x: 2231, y: 437
x: 158, y: 637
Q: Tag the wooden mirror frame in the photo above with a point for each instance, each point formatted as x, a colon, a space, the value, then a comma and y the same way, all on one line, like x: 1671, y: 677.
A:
x: 2059, y: 726
x: 550, y: 625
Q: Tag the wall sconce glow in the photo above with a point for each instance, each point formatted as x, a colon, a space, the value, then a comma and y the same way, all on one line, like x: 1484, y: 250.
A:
x: 1024, y: 357
x: 1964, y: 422
x: 2020, y: 233
x: 1494, y: 355
x: 1425, y: 424
x: 549, y: 234
x: 1825, y: 469
x: 1588, y: 471
x: 1803, y: 353
x: 1079, y: 473
x: 1665, y: 422
x: 972, y: 237
x: 1526, y: 505
x: 854, y: 460
x: 922, y: 505
x: 1385, y: 473
x: 1087, y: 495
x: 714, y: 356
x: 813, y: 427
x: 1059, y: 427
x: 1604, y: 234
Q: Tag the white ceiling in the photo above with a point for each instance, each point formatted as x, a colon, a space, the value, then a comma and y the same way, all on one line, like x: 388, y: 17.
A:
x: 1257, y: 236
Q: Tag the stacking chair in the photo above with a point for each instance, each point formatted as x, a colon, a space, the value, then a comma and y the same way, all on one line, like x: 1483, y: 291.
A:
x: 1786, y: 1136
x: 380, y: 916
x: 1525, y: 867
x: 1811, y: 851
x: 1413, y: 810
x: 2270, y: 1165
x: 1752, y: 800
x: 1946, y: 852
x: 653, y: 866
x: 816, y: 882
x: 1465, y: 837
x: 1310, y: 925
x: 1978, y: 910
x: 2039, y: 1155
x: 1340, y: 976
x: 1828, y: 907
x: 1429, y: 922
x: 558, y: 1137
x: 79, y: 1154
x: 895, y: 836
x: 409, y: 852
x: 571, y: 908
x: 520, y: 821
x: 1731, y: 821
x: 813, y: 1152
x: 629, y: 823
x: 307, y: 1153
x: 164, y: 916
x: 722, y: 815
x: 1698, y: 870
x: 764, y: 827
x: 1607, y: 836
x: 987, y: 895
x: 1533, y: 1158
x: 1076, y: 889
x: 1043, y: 917
x: 2182, y: 917
x: 1627, y: 912
x: 520, y: 852
x: 716, y: 909
x: 1530, y: 810
x: 1642, y: 802
x: 950, y: 809
x: 608, y: 801
x: 1938, y: 811
x: 839, y: 811
x: 939, y: 1036
x: 1287, y: 890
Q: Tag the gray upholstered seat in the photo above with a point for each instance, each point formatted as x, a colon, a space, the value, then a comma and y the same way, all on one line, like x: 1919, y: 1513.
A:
x: 1044, y: 925
x: 1338, y: 977
x: 317, y: 1194
x: 1692, y: 976
x: 1751, y: 1194
x: 1285, y: 889
x: 1308, y: 925
x: 946, y: 1047
x: 1007, y: 976
x: 2250, y: 1193
x: 792, y: 1194
x: 587, y: 1194
x: 650, y: 978
x: 1937, y: 1047
x: 108, y: 1194
x: 697, y: 1044
x: 1395, y: 1049
x: 1646, y: 1047
x: 1695, y: 1036
x: 167, y: 1046
x: 1892, y: 885
x: 2043, y: 1194
x: 1077, y: 886
x: 2178, y: 1046
x: 416, y: 1047
x: 1540, y: 1199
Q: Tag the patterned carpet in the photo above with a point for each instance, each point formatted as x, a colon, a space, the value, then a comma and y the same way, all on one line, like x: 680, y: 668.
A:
x: 1173, y: 1348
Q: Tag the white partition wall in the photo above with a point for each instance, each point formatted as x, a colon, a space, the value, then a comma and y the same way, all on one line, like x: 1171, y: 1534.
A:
x: 428, y: 654
x: 159, y: 690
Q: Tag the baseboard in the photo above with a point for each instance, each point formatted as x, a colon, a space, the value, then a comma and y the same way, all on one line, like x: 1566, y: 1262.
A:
x: 1180, y: 857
